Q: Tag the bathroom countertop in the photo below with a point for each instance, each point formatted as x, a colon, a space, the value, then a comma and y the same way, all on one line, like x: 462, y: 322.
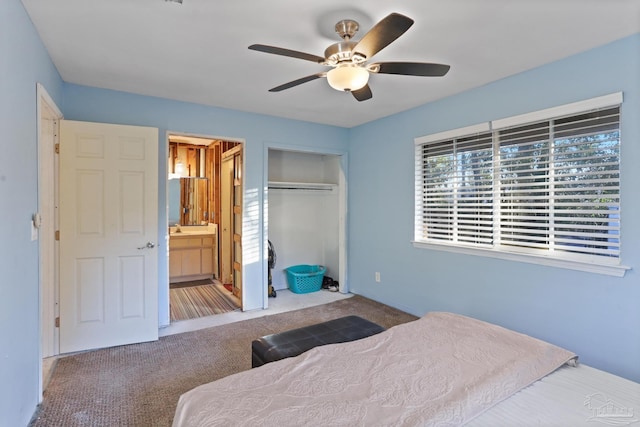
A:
x: 192, y: 233
x: 197, y: 230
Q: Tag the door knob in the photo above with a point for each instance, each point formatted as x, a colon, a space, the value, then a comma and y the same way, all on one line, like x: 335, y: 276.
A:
x: 148, y: 245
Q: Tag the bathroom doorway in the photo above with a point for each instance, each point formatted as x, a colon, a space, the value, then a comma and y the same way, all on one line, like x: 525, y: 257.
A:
x: 204, y: 215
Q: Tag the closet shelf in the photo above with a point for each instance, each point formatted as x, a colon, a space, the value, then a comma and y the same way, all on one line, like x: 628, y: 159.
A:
x: 281, y: 185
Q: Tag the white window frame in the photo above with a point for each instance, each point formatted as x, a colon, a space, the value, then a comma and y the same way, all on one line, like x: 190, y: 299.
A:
x: 599, y: 265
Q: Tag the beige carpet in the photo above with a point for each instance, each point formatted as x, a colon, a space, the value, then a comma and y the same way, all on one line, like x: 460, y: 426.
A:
x: 139, y: 385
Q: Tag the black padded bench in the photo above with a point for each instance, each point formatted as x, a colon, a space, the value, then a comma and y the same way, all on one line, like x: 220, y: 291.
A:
x: 296, y: 341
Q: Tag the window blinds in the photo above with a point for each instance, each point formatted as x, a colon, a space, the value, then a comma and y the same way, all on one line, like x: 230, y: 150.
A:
x: 457, y: 189
x: 548, y: 187
x: 560, y: 184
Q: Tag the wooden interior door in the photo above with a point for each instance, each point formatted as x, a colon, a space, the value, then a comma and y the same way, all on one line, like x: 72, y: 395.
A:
x: 226, y: 191
x: 237, y: 223
x: 231, y: 196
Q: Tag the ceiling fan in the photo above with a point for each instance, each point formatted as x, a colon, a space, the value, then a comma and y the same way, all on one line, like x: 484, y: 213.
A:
x: 348, y: 59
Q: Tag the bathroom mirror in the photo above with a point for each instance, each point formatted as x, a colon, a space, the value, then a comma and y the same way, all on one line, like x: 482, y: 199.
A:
x: 188, y: 202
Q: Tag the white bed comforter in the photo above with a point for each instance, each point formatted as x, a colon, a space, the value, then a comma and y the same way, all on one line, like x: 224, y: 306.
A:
x: 443, y: 369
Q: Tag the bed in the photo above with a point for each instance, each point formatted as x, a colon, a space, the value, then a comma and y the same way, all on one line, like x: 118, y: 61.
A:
x: 443, y: 369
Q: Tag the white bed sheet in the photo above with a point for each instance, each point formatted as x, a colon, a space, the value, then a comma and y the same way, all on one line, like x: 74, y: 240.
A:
x: 569, y: 397
x: 441, y: 370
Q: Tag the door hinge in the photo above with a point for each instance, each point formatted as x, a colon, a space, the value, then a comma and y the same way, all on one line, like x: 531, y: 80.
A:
x: 56, y: 148
x: 57, y: 235
x: 57, y: 322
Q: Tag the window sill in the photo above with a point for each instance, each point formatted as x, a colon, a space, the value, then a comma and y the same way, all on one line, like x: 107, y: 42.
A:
x: 609, y: 270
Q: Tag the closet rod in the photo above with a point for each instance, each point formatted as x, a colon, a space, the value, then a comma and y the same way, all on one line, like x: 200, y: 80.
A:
x: 278, y: 187
x: 310, y: 186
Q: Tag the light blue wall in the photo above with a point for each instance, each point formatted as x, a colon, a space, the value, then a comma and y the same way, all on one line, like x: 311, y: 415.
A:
x: 106, y: 106
x: 23, y: 62
x: 596, y: 316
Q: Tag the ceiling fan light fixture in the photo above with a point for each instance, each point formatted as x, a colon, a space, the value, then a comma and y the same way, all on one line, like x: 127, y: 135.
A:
x: 348, y: 77
x: 348, y: 58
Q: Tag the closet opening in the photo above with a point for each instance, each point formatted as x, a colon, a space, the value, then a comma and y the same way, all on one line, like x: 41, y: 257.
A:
x: 305, y: 214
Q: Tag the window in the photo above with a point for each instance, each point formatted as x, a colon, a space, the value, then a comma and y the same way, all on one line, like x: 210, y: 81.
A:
x: 543, y: 188
x: 457, y: 190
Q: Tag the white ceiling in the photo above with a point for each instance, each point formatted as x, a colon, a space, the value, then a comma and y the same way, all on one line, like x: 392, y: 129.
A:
x: 197, y: 51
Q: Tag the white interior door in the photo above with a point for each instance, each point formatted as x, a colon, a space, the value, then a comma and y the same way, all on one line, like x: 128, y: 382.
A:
x: 108, y: 235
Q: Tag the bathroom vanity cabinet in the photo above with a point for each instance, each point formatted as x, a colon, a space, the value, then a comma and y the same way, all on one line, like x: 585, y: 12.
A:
x: 192, y: 256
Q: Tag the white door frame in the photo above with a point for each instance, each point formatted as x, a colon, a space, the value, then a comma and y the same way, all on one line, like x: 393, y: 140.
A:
x: 342, y: 211
x: 47, y: 111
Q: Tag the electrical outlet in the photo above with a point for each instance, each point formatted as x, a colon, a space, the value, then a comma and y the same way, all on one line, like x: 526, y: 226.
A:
x: 378, y: 276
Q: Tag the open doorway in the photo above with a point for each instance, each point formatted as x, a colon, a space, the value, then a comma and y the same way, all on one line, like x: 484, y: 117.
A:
x: 204, y: 197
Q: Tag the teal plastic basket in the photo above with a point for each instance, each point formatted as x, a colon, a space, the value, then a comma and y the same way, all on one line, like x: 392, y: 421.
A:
x: 305, y: 278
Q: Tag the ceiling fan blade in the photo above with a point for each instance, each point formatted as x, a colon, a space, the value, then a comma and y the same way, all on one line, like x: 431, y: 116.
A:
x: 383, y: 34
x: 410, y: 68
x: 362, y: 94
x: 298, y: 82
x: 287, y: 52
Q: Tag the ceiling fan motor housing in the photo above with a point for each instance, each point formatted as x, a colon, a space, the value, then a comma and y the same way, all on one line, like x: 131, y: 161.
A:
x: 340, y: 52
